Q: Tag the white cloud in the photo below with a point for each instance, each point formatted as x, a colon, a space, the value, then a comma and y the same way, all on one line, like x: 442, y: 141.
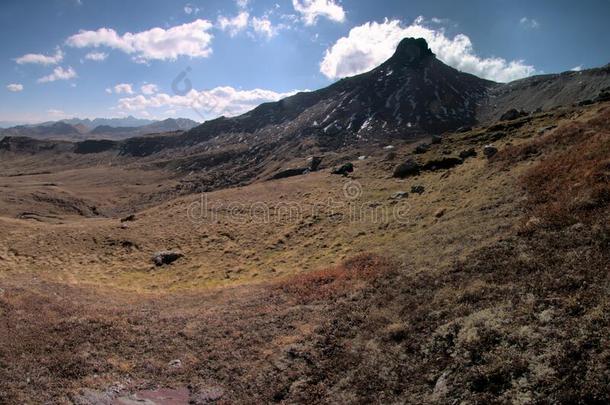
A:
x: 263, y: 26
x: 190, y: 9
x: 15, y: 87
x: 56, y: 114
x: 96, y: 56
x: 218, y: 101
x: 529, y: 23
x: 241, y: 4
x: 235, y: 24
x: 311, y: 10
x: 149, y: 89
x: 121, y: 88
x: 191, y: 39
x: 59, y: 73
x: 577, y: 68
x: 40, y: 59
x: 370, y: 44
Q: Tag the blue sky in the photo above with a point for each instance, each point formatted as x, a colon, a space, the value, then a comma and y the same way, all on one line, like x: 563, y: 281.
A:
x: 93, y: 58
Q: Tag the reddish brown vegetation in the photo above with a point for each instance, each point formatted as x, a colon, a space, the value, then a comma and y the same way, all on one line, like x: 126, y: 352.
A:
x: 339, y: 280
x: 572, y: 182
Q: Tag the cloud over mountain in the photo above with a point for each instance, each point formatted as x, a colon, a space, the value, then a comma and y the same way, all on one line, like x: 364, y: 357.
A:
x: 369, y: 44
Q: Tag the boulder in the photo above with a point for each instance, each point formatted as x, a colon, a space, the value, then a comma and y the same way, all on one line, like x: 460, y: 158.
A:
x: 399, y: 195
x: 290, y: 173
x: 422, y: 148
x: 513, y: 114
x: 489, y: 151
x: 128, y: 218
x: 344, y: 169
x: 166, y: 257
x: 465, y: 154
x: 442, y: 163
x: 314, y: 163
x: 436, y: 139
x: 417, y: 189
x: 464, y: 129
x: 409, y: 168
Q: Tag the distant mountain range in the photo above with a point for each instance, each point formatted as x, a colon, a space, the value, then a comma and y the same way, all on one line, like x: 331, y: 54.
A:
x: 76, y: 129
x: 410, y: 95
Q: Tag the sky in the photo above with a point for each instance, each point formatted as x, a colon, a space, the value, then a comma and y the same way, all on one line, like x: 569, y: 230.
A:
x: 205, y: 58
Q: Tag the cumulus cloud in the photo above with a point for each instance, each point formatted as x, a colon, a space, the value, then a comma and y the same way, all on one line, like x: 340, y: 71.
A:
x: 40, y: 59
x: 263, y: 27
x: 577, y: 68
x: 59, y: 73
x: 191, y: 39
x: 15, y: 87
x: 529, y: 23
x: 218, y: 101
x: 234, y: 25
x: 311, y: 10
x: 96, y: 56
x: 368, y: 45
x: 149, y: 88
x: 121, y: 88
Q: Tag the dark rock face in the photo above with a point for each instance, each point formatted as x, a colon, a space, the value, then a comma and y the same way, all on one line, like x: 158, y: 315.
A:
x: 406, y: 169
x: 166, y: 257
x: 513, y: 114
x: 442, y: 163
x: 289, y: 173
x: 94, y: 146
x: 343, y: 170
x: 465, y: 154
x: 489, y: 151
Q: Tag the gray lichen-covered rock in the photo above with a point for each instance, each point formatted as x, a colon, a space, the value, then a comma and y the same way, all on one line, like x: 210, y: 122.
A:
x: 166, y: 257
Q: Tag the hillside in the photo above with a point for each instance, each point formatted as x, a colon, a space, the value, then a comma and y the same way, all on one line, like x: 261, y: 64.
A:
x: 413, y: 234
x: 454, y: 291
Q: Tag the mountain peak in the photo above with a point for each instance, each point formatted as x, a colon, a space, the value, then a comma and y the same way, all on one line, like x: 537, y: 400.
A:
x: 412, y: 50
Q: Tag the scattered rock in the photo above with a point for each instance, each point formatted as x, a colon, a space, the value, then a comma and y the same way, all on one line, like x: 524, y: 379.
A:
x: 489, y: 151
x: 390, y: 156
x: 436, y: 139
x: 399, y: 195
x: 513, y: 114
x: 396, y: 332
x: 314, y: 163
x: 177, y: 363
x: 422, y: 148
x: 442, y: 163
x: 363, y: 157
x: 408, y: 168
x: 465, y: 154
x: 290, y: 173
x: 388, y: 147
x: 166, y: 257
x: 130, y: 217
x: 464, y: 129
x: 440, y: 212
x: 417, y: 189
x: 343, y: 169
